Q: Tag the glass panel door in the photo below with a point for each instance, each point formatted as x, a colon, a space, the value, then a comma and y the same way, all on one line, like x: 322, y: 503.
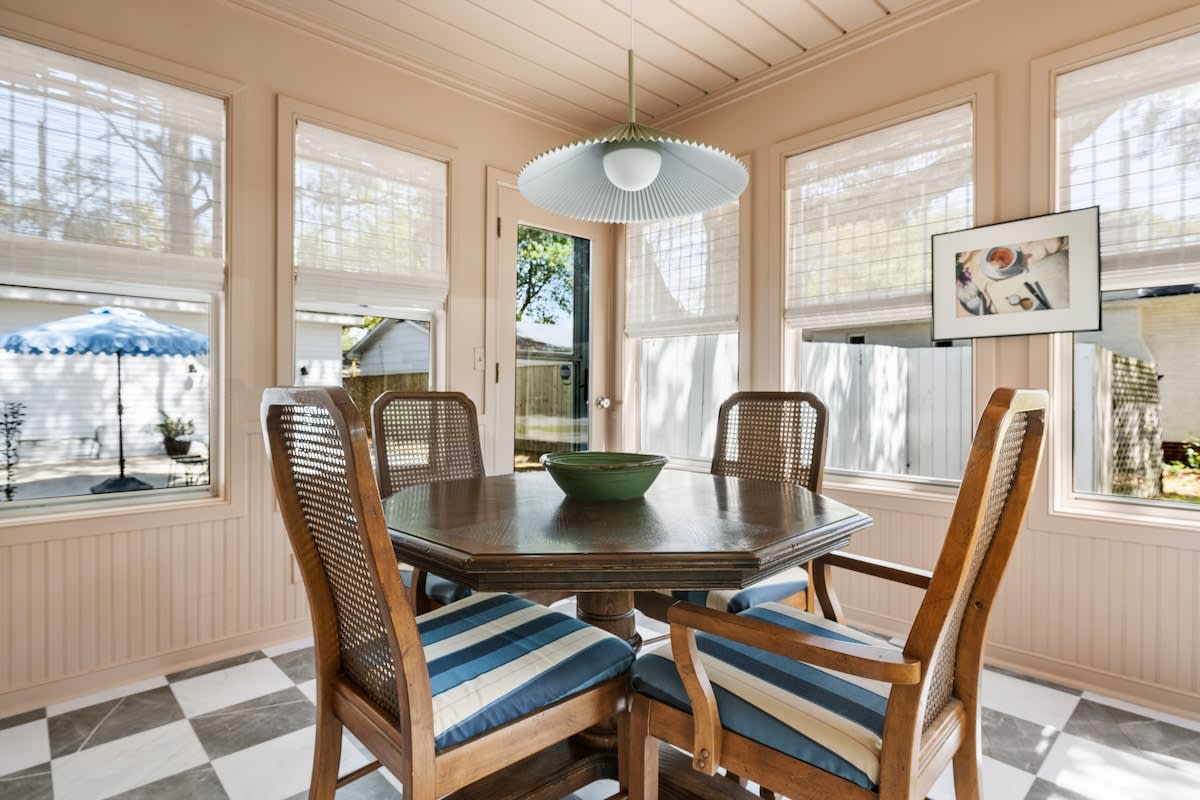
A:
x: 552, y: 347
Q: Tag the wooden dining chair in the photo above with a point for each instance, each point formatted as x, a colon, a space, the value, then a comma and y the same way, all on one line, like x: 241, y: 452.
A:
x: 441, y: 699
x: 811, y: 708
x: 425, y: 437
x: 771, y: 436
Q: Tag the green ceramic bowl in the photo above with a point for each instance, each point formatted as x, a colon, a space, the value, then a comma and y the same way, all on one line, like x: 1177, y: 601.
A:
x: 597, y: 476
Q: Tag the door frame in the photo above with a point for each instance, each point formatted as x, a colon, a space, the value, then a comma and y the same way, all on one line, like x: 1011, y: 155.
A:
x: 505, y: 209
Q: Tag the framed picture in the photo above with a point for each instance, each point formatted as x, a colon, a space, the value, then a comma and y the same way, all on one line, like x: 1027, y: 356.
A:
x: 1034, y: 275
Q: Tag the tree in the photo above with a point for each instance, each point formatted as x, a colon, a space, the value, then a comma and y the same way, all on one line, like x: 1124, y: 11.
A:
x: 545, y: 274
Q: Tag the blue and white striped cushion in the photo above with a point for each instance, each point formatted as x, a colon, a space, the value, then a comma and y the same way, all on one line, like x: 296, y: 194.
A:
x: 774, y: 589
x: 495, y: 657
x: 825, y: 718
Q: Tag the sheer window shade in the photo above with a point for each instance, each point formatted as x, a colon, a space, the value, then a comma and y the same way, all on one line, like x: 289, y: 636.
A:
x: 106, y: 177
x: 683, y: 274
x: 1129, y: 141
x: 859, y: 214
x: 370, y: 223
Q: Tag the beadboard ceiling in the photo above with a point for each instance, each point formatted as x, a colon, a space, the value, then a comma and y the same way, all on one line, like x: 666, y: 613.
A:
x: 564, y: 61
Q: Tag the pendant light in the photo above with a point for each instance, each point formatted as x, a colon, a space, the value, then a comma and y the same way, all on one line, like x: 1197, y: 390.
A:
x: 632, y: 173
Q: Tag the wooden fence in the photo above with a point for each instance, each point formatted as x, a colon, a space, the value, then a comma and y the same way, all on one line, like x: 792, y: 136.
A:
x: 894, y: 410
x: 363, y: 389
x: 545, y: 407
x: 684, y: 381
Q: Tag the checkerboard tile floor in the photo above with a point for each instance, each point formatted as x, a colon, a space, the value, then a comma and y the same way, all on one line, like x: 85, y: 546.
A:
x: 243, y: 728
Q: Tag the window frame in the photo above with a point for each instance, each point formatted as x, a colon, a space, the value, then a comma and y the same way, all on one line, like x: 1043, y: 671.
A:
x: 292, y: 111
x: 629, y: 378
x: 980, y: 94
x: 1054, y: 362
x: 56, y: 518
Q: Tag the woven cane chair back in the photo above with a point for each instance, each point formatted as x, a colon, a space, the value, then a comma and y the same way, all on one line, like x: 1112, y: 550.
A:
x: 330, y: 504
x: 425, y: 437
x: 987, y: 516
x: 773, y: 436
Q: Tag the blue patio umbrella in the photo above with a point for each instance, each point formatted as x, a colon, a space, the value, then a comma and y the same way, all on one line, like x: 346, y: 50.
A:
x: 109, y: 331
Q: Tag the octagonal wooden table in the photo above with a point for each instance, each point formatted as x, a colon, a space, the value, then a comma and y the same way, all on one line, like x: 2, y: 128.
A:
x: 690, y: 531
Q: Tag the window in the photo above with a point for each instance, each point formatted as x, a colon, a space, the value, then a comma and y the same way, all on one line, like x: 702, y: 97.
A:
x: 112, y: 228
x: 681, y: 308
x: 370, y: 259
x: 859, y: 214
x: 1128, y: 133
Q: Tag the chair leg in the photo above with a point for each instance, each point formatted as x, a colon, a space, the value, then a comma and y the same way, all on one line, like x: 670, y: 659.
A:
x: 623, y: 750
x: 327, y: 755
x: 642, y: 749
x: 420, y: 600
x: 968, y: 762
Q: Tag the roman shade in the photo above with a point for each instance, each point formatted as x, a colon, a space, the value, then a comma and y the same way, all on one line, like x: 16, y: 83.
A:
x: 859, y: 214
x: 113, y: 181
x: 683, y: 274
x: 370, y: 224
x: 1127, y: 134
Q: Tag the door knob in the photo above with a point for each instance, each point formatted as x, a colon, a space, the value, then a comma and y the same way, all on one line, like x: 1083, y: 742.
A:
x: 603, y: 402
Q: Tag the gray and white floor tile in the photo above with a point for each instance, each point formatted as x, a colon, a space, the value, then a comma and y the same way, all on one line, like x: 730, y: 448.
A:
x: 243, y: 727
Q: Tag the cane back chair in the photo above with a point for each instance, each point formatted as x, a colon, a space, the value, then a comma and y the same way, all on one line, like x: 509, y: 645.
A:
x: 811, y: 708
x: 771, y: 436
x: 425, y: 437
x: 442, y: 699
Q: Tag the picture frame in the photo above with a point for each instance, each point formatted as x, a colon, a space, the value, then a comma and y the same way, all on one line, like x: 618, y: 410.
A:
x: 1034, y: 275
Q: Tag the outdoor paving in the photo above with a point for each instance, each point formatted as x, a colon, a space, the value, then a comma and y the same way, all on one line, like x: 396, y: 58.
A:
x: 40, y: 480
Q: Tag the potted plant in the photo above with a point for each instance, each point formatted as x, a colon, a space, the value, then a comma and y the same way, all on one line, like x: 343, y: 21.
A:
x: 173, y: 430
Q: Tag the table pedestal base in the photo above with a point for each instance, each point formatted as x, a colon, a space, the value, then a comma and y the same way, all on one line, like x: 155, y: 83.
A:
x: 611, y: 611
x: 559, y: 770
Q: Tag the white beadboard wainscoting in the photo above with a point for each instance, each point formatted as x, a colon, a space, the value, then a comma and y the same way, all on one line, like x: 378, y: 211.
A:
x: 1106, y: 607
x: 82, y: 613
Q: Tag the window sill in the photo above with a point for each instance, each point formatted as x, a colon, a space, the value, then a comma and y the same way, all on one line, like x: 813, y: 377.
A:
x: 1121, y: 514
x: 688, y: 464
x: 896, y: 493
x: 50, y: 522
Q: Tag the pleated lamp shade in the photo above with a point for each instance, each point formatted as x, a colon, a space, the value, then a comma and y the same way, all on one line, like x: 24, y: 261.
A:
x: 571, y: 180
x: 632, y: 173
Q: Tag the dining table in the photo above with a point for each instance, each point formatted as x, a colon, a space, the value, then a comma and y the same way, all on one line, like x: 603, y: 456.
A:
x: 691, y: 530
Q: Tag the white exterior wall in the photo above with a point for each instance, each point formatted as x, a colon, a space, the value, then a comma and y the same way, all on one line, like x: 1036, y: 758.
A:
x: 1171, y: 327
x: 319, y: 350
x: 71, y: 399
x: 1122, y: 332
x: 404, y: 349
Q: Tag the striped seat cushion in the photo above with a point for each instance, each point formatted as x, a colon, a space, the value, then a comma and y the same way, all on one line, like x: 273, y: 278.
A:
x: 439, y: 590
x: 495, y: 657
x: 772, y: 590
x: 828, y: 719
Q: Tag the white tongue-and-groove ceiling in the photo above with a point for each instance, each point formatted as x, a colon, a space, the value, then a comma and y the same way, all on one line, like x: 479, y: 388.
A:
x: 564, y: 61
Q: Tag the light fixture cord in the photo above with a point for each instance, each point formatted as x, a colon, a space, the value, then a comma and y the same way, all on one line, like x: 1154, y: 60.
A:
x: 632, y: 106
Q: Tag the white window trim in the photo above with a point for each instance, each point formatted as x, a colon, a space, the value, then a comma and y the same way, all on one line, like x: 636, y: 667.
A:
x: 290, y: 112
x: 121, y: 511
x: 1054, y: 362
x: 980, y: 93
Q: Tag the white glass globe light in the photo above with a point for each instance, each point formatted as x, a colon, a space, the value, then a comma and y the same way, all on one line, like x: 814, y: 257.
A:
x: 632, y: 166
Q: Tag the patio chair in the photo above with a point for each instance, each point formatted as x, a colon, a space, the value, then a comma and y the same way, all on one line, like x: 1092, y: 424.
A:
x: 443, y: 699
x: 808, y: 707
x: 773, y: 436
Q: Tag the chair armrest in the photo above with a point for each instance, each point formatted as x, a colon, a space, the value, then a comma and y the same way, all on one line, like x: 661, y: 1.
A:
x: 910, y: 576
x: 867, y: 661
